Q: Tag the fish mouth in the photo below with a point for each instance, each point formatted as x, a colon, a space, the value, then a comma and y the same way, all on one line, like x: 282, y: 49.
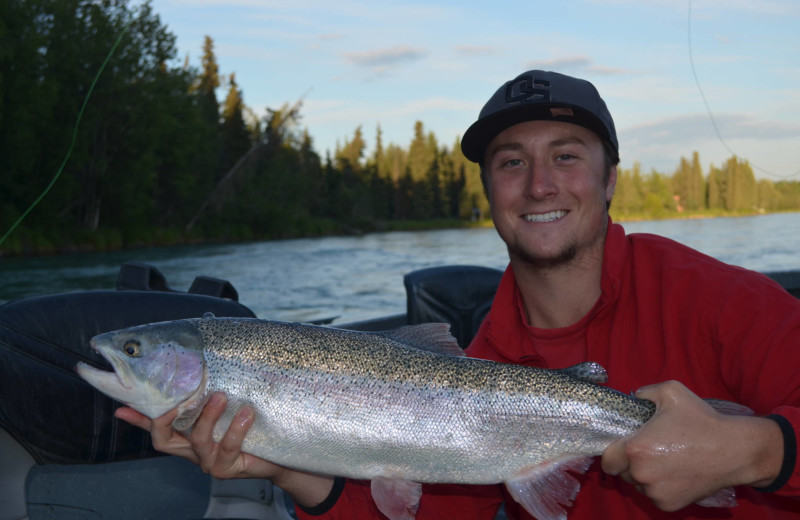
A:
x: 544, y: 218
x: 118, y: 378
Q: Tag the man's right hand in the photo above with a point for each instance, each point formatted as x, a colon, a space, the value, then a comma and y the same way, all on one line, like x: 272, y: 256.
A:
x: 225, y: 459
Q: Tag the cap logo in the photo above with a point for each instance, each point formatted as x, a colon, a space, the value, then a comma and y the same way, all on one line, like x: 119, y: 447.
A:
x: 525, y: 88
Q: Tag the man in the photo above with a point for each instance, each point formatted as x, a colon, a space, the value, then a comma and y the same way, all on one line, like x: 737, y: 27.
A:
x: 656, y: 314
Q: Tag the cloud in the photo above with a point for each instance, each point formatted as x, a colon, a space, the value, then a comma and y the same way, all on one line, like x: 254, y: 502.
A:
x: 386, y: 57
x: 342, y: 110
x: 478, y: 50
x: 580, y: 64
x: 768, y: 7
x: 660, y: 144
x: 689, y: 128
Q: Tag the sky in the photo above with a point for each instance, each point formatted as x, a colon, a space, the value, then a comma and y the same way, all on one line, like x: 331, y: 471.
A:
x: 720, y: 77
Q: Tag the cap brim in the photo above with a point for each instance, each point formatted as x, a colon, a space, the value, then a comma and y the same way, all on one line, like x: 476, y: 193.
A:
x: 480, y: 134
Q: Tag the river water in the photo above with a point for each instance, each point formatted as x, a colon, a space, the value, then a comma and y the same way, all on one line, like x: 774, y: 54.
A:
x: 355, y: 278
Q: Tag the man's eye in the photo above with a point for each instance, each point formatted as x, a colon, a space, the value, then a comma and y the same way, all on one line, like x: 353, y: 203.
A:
x: 511, y: 163
x: 565, y: 157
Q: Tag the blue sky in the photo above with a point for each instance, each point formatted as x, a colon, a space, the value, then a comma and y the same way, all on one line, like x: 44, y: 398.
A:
x: 391, y: 63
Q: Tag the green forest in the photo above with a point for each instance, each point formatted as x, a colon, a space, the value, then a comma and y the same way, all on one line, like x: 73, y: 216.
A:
x: 158, y: 159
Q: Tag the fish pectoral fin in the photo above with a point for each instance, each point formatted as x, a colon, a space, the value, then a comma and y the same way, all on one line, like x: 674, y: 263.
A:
x: 397, y: 499
x: 543, y: 489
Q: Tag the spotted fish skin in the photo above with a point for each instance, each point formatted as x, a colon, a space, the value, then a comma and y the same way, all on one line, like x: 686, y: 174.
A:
x: 364, y: 405
x: 383, y: 406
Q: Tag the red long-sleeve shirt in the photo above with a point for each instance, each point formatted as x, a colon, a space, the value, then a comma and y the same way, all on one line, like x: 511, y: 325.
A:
x: 665, y: 312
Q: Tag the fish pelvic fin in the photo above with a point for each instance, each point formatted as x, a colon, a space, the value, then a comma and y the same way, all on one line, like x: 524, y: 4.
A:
x: 544, y: 489
x: 430, y: 337
x: 397, y: 499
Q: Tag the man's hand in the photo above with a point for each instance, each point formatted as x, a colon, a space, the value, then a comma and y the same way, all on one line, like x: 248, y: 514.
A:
x: 688, y: 451
x: 221, y: 460
x: 225, y: 459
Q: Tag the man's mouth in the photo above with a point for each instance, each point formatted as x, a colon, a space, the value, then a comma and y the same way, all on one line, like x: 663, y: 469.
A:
x: 551, y: 216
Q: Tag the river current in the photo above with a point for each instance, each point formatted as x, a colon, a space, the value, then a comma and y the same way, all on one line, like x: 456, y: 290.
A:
x: 361, y: 277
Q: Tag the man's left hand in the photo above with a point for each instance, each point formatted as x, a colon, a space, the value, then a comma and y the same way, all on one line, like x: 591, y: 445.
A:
x: 688, y: 451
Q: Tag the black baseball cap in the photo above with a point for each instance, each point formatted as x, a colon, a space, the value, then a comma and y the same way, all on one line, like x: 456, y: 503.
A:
x: 537, y: 95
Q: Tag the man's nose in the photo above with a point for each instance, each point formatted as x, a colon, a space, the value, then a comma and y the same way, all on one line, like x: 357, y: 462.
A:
x: 541, y: 182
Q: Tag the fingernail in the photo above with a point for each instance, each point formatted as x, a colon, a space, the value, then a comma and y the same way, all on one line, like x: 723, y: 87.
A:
x: 217, y: 399
x: 244, y: 415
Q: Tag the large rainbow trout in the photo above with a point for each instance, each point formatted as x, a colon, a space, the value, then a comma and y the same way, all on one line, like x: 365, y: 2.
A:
x: 399, y: 408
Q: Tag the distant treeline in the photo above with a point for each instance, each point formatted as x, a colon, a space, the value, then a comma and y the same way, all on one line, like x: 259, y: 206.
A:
x: 158, y: 159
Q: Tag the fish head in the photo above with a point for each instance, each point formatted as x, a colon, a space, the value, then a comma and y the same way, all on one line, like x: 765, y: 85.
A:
x: 156, y: 366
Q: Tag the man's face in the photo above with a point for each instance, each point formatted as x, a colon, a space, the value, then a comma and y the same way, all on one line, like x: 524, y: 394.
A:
x: 548, y: 192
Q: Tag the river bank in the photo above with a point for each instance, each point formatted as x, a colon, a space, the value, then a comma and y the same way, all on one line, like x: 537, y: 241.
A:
x: 27, y: 243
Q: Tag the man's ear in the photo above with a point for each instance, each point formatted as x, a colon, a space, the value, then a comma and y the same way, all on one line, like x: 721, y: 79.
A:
x: 612, y: 183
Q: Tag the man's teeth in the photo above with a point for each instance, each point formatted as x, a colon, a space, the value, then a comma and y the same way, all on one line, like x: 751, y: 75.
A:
x: 545, y: 217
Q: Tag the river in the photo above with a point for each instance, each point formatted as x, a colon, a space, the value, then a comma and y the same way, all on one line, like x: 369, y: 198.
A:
x: 361, y: 277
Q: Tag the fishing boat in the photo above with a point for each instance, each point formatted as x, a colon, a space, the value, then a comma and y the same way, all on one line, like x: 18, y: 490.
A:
x: 64, y: 455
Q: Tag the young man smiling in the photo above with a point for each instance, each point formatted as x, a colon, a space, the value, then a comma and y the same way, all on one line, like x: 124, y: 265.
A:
x: 657, y: 315
x: 548, y: 192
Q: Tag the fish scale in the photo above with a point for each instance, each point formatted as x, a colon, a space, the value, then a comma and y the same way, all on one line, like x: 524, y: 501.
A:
x: 383, y: 406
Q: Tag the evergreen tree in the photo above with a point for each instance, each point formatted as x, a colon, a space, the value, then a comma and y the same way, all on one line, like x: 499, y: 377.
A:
x: 768, y: 196
x: 620, y: 204
x: 235, y: 135
x: 351, y: 154
x: 658, y: 199
x: 422, y: 152
x: 208, y: 82
x: 205, y: 91
x: 696, y: 195
x: 473, y: 203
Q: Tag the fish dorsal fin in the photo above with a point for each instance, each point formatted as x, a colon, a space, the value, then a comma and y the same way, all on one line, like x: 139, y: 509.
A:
x: 430, y: 337
x: 543, y: 489
x: 588, y: 371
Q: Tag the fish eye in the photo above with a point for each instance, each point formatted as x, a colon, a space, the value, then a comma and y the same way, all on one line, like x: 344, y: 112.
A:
x: 132, y: 348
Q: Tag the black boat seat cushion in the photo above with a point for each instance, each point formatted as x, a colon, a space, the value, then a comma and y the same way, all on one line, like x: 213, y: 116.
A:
x: 460, y: 295
x: 44, y: 405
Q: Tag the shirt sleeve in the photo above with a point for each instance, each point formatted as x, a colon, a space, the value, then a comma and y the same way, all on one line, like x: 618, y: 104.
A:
x: 438, y: 502
x: 764, y: 322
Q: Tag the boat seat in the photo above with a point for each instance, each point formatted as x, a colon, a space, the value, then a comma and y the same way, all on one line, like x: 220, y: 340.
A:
x: 789, y: 280
x: 63, y: 453
x: 460, y: 295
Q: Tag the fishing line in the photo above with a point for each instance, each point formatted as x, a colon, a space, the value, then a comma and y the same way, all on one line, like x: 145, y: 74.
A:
x: 74, y: 133
x: 710, y: 113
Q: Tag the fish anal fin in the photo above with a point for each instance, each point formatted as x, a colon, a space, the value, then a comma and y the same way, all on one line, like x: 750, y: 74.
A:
x: 430, y: 337
x: 725, y: 497
x: 543, y: 490
x: 397, y: 499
